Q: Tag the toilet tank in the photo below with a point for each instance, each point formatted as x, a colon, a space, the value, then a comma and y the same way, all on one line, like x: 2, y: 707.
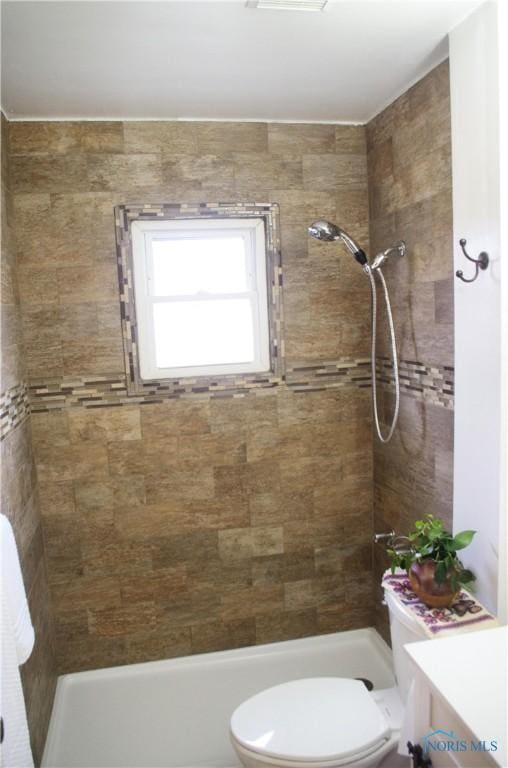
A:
x: 403, y: 629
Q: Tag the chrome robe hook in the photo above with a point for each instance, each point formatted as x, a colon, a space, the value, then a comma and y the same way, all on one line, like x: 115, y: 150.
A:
x: 482, y: 262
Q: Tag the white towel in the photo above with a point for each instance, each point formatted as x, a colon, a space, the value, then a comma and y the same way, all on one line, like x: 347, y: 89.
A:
x: 17, y: 641
x: 15, y: 750
x: 14, y: 591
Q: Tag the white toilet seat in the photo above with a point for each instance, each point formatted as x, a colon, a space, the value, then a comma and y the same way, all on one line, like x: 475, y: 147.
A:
x: 322, y: 722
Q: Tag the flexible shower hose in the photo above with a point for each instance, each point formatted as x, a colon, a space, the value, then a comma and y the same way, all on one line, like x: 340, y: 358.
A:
x: 384, y: 438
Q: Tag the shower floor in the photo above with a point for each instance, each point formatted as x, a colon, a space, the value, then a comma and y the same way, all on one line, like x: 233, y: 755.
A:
x: 175, y: 713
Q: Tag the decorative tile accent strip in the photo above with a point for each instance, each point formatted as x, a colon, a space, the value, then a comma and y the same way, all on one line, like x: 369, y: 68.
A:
x: 431, y: 383
x: 417, y: 380
x: 269, y: 213
x: 14, y: 407
x: 329, y: 374
x: 112, y: 390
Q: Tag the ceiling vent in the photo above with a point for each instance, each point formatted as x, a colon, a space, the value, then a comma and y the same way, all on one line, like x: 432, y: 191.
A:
x: 287, y: 5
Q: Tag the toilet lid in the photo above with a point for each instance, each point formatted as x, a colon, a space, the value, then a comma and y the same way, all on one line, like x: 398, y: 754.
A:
x: 316, y: 719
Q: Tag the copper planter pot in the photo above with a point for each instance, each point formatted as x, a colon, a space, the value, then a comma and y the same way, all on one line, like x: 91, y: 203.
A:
x: 431, y: 592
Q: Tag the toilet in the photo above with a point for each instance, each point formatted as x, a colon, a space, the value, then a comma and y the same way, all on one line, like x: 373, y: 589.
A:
x: 329, y: 722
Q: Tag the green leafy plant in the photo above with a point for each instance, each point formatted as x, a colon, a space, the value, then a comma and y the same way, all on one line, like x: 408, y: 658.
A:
x: 430, y: 541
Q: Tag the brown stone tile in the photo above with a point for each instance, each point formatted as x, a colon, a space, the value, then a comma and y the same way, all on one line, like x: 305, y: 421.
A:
x: 41, y: 138
x: 241, y: 543
x: 251, y: 601
x: 108, y: 357
x: 267, y: 570
x: 217, y: 449
x: 132, y: 174
x: 32, y: 553
x: 331, y: 172
x: 191, y: 482
x: 305, y: 473
x: 262, y: 171
x: 299, y: 595
x: 103, y: 555
x: 271, y: 507
x: 350, y: 139
x: 197, y: 547
x: 90, y: 652
x: 235, y: 544
x: 218, y: 635
x: 56, y: 498
x: 443, y: 301
x: 272, y: 627
x: 187, y: 609
x: 297, y: 138
x: 152, y: 137
x: 86, y: 593
x: 165, y: 420
x: 63, y: 549
x: 207, y: 171
x: 155, y: 586
x: 87, y: 461
x: 93, y: 496
x: 230, y: 137
x: 77, y: 322
x: 109, y: 333
x: 125, y: 457
x: 321, y: 532
x: 231, y: 482
x: 267, y: 540
x: 100, y: 424
x: 333, y: 619
x: 103, y: 136
x: 32, y: 248
x: 161, y: 645
x: 237, y: 415
x: 49, y: 173
x: 37, y: 286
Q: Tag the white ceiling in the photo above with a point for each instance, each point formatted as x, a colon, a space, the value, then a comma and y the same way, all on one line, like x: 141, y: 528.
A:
x: 217, y: 60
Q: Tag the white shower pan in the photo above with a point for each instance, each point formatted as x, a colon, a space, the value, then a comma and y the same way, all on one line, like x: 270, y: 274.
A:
x: 175, y: 713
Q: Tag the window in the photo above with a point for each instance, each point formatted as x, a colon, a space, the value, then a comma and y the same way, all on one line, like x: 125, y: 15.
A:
x: 201, y: 297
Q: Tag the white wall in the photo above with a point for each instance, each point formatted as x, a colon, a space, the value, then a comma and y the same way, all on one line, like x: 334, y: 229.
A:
x: 503, y: 165
x: 476, y: 211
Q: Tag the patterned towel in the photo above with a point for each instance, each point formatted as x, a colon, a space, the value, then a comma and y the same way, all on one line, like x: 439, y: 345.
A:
x: 465, y: 614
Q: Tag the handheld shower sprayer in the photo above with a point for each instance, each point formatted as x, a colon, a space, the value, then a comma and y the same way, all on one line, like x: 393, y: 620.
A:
x: 325, y: 230
x: 328, y: 232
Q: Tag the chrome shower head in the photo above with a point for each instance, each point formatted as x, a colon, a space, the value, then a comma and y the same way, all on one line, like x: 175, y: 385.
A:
x: 325, y: 230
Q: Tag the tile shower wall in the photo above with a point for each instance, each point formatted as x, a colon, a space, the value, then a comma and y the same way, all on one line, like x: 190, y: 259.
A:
x: 19, y: 499
x: 194, y: 524
x: 410, y: 190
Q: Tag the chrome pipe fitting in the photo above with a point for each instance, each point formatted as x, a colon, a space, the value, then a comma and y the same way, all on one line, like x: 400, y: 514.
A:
x: 386, y: 536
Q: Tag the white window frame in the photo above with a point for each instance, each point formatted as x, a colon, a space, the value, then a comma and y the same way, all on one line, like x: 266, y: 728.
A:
x: 252, y: 231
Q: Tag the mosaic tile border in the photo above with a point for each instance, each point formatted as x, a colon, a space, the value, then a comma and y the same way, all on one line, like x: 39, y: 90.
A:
x: 329, y: 374
x: 14, y: 408
x: 432, y: 384
x: 269, y: 213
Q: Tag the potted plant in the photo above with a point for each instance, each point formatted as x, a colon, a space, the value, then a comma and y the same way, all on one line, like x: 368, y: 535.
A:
x: 429, y: 554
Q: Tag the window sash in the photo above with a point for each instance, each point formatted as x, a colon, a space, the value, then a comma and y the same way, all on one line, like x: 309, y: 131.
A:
x: 252, y: 231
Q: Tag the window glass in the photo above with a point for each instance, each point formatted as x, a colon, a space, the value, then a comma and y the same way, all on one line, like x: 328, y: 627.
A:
x: 195, y: 333
x: 193, y: 265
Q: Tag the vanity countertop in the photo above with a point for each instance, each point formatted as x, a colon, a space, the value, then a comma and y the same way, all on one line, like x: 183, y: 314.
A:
x: 470, y: 672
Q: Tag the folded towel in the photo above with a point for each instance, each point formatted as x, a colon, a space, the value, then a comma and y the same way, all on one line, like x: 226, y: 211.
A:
x: 15, y: 749
x: 465, y: 614
x: 14, y: 591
